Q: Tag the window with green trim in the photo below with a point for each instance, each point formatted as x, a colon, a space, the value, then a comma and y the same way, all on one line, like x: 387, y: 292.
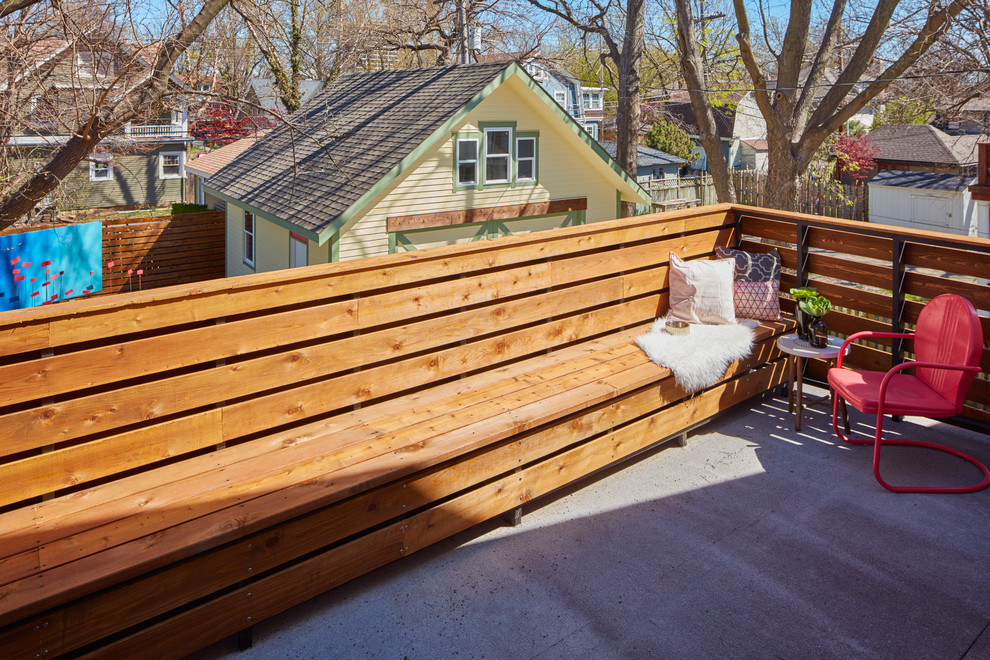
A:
x: 467, y: 162
x: 498, y: 155
x: 526, y: 159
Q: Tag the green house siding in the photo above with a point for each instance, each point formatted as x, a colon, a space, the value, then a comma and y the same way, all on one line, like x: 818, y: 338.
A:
x: 135, y: 181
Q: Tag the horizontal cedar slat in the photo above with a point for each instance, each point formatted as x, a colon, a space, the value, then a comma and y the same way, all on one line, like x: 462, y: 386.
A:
x: 929, y: 286
x: 240, y: 295
x: 960, y: 262
x: 505, y: 212
x: 770, y: 229
x: 63, y: 468
x: 858, y: 272
x: 845, y: 242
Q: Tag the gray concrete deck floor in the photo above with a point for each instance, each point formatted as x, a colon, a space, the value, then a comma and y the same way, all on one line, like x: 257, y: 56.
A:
x: 752, y: 542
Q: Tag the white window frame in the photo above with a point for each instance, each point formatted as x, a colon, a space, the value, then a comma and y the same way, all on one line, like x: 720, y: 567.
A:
x: 250, y: 235
x: 475, y: 161
x: 506, y: 156
x: 97, y: 171
x: 161, y: 164
x: 560, y: 96
x: 591, y: 100
x: 297, y: 242
x: 520, y: 159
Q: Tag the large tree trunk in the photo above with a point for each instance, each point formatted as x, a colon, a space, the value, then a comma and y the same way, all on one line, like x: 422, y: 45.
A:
x: 692, y: 66
x: 628, y: 114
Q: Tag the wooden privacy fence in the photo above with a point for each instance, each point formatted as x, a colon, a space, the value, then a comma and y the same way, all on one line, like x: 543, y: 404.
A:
x: 879, y: 278
x: 177, y: 249
x: 815, y: 196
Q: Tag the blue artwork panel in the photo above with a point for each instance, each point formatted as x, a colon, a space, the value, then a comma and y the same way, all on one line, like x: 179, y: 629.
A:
x: 45, y: 266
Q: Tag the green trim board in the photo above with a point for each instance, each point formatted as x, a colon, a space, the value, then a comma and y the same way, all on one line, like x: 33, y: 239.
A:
x: 264, y: 215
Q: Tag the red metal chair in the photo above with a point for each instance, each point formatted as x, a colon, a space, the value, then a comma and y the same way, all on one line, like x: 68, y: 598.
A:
x: 948, y: 344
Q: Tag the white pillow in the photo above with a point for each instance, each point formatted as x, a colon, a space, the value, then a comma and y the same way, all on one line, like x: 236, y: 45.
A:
x: 701, y: 291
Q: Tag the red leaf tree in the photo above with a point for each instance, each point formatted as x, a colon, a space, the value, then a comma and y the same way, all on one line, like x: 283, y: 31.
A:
x: 855, y: 156
x: 220, y: 124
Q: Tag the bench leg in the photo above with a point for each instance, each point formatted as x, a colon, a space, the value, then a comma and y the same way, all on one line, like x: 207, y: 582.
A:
x: 245, y: 639
x: 513, y: 518
x: 681, y: 439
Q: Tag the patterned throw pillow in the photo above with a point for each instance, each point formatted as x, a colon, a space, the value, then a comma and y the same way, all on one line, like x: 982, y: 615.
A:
x: 756, y: 283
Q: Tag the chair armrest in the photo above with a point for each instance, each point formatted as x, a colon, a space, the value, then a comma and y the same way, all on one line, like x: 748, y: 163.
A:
x: 868, y: 333
x: 882, y: 394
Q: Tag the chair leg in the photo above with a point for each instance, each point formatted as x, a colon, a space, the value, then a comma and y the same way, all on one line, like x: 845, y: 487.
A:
x: 837, y: 403
x: 878, y: 442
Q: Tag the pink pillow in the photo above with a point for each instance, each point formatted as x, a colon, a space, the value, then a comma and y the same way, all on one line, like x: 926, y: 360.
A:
x: 701, y: 291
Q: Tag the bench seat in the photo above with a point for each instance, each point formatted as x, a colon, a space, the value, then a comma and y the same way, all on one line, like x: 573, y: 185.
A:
x: 316, y: 482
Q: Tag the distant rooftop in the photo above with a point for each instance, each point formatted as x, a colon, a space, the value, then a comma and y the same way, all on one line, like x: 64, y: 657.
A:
x: 922, y: 180
x: 647, y: 156
x: 924, y: 144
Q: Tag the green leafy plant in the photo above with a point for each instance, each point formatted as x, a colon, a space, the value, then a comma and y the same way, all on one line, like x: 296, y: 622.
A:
x: 817, y: 306
x: 802, y: 292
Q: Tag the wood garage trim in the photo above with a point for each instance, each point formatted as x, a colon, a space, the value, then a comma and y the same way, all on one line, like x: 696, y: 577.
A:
x: 506, y: 212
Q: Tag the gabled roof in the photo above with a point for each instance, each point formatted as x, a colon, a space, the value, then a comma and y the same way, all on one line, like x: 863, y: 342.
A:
x: 353, y: 138
x: 647, y: 156
x: 923, y: 144
x: 209, y: 164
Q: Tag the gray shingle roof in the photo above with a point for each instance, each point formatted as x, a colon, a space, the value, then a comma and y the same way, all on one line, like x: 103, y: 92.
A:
x: 647, y: 156
x: 922, y: 180
x: 923, y: 144
x: 350, y: 136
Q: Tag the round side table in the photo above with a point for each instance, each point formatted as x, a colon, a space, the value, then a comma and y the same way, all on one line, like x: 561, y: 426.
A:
x: 799, y: 350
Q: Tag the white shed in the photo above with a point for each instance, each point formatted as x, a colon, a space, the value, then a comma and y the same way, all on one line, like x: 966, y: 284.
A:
x: 927, y: 200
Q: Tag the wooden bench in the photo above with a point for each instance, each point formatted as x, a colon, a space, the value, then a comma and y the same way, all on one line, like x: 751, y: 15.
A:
x: 179, y: 464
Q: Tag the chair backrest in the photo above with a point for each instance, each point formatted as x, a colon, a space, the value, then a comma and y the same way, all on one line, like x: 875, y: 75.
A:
x: 948, y: 332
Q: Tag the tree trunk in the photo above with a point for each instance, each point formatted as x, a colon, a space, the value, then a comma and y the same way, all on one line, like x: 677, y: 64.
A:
x: 692, y: 65
x: 628, y: 113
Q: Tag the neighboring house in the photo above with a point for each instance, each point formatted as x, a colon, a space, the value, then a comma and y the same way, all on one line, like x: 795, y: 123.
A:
x: 923, y: 180
x: 209, y: 163
x: 741, y: 128
x: 584, y: 104
x: 410, y: 159
x: 651, y: 163
x: 264, y: 99
x: 980, y: 192
x: 56, y: 83
x: 924, y: 148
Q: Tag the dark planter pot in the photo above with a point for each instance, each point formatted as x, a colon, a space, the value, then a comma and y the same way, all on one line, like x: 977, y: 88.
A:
x: 802, y: 323
x: 817, y: 332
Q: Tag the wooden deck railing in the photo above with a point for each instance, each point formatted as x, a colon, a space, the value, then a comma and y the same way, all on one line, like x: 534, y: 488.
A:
x: 879, y: 278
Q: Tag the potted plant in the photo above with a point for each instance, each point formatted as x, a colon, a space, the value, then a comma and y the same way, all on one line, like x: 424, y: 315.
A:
x: 798, y: 294
x: 816, y: 307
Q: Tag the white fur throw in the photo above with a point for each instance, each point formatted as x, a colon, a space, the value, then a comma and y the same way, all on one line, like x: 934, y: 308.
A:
x: 701, y: 357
